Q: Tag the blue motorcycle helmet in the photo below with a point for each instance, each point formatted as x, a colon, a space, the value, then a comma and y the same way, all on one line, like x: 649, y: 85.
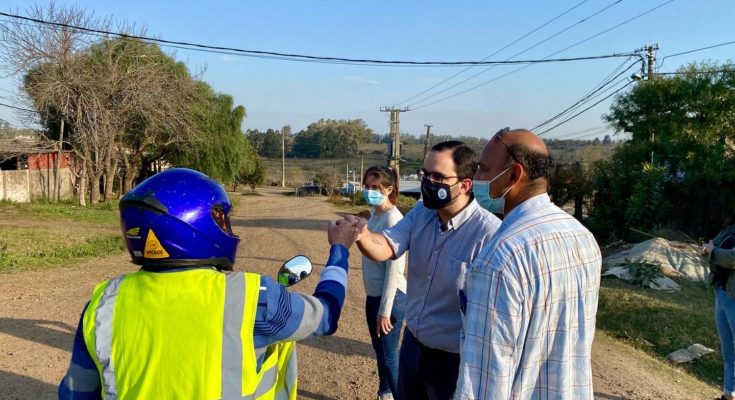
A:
x: 177, y: 218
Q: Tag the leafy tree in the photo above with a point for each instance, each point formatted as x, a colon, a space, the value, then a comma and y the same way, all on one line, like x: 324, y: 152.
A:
x: 331, y: 138
x: 683, y: 131
x: 254, y: 176
x: 226, y: 152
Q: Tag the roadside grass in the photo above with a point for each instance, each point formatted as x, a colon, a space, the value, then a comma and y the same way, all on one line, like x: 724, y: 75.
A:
x: 667, y: 321
x: 105, y: 213
x: 44, y: 235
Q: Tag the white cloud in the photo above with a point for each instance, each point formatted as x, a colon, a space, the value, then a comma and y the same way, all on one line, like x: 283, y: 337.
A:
x: 371, y: 82
x: 228, y: 58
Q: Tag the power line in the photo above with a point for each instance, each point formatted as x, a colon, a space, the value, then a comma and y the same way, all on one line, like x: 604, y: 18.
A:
x: 589, y: 96
x: 551, y: 55
x: 596, y: 128
x: 519, y: 53
x: 591, y: 135
x: 714, y: 71
x: 19, y: 108
x: 699, y: 49
x: 586, y: 135
x: 497, y: 51
x: 290, y: 56
x: 586, y: 109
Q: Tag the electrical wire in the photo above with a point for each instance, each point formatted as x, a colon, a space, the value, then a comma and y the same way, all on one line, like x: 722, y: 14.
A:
x: 699, y: 49
x: 551, y: 55
x: 18, y: 108
x: 498, y: 51
x: 586, y: 109
x: 596, y: 128
x: 587, y: 97
x: 519, y: 53
x: 290, y: 56
x: 716, y: 71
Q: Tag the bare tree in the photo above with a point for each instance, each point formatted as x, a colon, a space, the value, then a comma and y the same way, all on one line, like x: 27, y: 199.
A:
x: 121, y: 98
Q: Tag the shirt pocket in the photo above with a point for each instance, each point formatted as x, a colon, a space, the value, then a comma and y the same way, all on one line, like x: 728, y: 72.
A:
x: 460, y: 268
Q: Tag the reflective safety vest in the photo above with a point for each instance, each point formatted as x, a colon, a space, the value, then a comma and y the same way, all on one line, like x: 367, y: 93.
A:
x: 184, y: 335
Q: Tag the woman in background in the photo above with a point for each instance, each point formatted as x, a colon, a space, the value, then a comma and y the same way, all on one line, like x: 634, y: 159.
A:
x: 720, y: 252
x: 385, y: 284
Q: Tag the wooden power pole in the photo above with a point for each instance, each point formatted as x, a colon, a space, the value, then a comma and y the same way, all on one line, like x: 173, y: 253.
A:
x: 395, y: 137
x: 426, y: 141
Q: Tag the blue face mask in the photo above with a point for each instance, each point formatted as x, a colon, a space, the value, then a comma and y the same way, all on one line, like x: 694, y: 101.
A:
x: 481, y: 190
x: 373, y: 197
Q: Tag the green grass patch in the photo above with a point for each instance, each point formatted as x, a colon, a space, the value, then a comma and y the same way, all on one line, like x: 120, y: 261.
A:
x: 48, y: 255
x: 46, y: 235
x: 669, y: 321
x: 105, y: 213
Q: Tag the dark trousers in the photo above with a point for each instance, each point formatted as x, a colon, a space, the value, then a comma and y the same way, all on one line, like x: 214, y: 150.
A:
x: 425, y: 373
x: 386, y: 346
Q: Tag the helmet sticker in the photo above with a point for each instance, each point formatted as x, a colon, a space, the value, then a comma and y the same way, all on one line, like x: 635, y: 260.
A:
x: 133, y: 233
x: 153, y: 248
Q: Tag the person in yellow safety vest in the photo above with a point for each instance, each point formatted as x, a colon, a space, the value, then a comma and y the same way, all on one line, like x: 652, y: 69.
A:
x: 186, y: 326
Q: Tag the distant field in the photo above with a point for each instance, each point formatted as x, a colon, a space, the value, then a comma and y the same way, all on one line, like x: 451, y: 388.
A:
x: 299, y: 170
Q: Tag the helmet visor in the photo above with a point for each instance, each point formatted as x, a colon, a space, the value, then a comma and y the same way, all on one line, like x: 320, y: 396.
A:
x: 221, y: 218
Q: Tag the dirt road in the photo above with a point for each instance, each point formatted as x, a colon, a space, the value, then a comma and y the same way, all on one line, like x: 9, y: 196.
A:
x: 39, y: 312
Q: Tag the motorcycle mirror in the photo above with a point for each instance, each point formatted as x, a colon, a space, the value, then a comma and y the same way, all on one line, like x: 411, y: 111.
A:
x: 294, y: 271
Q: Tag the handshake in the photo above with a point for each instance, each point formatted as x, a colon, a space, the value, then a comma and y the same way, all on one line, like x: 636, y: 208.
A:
x: 346, y: 231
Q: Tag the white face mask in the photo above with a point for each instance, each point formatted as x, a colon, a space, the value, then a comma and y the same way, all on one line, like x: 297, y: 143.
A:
x: 481, y: 190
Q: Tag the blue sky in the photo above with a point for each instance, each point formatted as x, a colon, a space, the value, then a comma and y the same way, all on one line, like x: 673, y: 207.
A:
x: 276, y: 93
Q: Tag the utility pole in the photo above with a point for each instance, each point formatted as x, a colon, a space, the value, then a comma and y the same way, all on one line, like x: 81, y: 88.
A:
x: 426, y: 141
x: 395, y: 136
x: 362, y: 166
x: 651, y: 59
x: 286, y: 130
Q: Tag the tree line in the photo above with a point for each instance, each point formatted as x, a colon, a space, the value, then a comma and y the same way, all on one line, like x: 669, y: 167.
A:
x: 677, y: 172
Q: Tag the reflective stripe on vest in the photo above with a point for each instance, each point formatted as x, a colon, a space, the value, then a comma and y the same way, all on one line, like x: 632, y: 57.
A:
x: 103, y: 336
x: 277, y: 375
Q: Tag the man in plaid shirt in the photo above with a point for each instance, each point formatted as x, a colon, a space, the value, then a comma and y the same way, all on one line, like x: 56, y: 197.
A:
x: 530, y: 297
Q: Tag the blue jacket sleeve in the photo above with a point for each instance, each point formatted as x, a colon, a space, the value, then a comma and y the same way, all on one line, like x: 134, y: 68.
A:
x: 82, y: 381
x: 283, y: 315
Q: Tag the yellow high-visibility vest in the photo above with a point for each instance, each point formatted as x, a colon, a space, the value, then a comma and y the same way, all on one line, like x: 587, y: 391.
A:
x: 184, y: 335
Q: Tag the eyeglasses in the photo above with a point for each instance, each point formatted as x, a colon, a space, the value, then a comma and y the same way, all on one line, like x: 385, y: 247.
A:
x: 437, y: 177
x: 499, y: 134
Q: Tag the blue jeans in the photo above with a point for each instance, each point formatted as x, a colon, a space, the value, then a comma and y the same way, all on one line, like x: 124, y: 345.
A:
x: 725, y: 321
x: 426, y: 373
x: 386, y: 346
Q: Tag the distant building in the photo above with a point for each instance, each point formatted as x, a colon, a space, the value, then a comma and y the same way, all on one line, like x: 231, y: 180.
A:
x: 32, y: 175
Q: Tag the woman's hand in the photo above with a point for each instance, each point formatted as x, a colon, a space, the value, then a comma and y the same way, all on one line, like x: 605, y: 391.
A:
x: 384, y: 325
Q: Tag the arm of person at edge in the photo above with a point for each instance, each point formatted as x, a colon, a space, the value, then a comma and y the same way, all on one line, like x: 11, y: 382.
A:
x: 281, y: 316
x: 723, y: 258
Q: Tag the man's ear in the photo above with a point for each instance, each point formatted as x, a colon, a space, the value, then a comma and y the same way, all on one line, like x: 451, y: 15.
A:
x: 516, y: 173
x: 466, y: 185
